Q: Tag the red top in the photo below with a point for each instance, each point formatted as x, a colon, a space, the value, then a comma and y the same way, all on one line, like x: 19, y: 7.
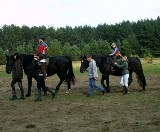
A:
x: 42, y: 48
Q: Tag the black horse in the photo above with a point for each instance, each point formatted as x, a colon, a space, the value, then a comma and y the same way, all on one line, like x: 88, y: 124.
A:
x: 105, y: 64
x: 60, y: 65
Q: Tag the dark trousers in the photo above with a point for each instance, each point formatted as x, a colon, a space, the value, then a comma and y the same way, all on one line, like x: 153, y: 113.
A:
x: 41, y: 84
x: 19, y: 81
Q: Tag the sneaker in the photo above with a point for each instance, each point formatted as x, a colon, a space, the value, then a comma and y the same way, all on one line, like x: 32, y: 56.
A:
x: 13, y: 98
x: 125, y: 92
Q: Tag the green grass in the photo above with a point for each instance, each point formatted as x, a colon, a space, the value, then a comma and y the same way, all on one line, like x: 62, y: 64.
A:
x: 4, y: 74
x: 151, y: 68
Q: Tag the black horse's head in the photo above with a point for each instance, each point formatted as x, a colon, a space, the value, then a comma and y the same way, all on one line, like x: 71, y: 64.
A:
x: 84, y: 64
x: 9, y: 63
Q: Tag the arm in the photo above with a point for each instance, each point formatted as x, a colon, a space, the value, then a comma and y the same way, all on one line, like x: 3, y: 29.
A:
x: 115, y: 52
x: 94, y: 69
x: 120, y: 66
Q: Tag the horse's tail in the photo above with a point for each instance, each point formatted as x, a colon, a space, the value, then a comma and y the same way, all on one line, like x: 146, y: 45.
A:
x: 70, y: 73
x: 140, y: 74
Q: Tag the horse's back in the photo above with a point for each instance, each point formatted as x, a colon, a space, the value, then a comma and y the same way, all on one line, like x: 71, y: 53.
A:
x: 135, y: 65
x: 59, y: 59
x: 134, y: 61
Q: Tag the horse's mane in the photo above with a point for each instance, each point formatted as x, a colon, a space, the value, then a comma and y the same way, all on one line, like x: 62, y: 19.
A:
x: 103, y: 59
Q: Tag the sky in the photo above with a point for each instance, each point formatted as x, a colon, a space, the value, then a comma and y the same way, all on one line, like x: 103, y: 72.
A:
x: 61, y: 13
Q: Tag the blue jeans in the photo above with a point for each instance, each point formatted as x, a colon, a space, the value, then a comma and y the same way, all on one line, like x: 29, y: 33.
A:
x: 92, y: 85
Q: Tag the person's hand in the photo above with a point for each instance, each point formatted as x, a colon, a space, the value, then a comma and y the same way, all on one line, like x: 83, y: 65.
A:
x: 96, y: 78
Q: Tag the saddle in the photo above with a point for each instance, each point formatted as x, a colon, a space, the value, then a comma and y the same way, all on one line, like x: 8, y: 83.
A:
x: 47, y: 60
x: 113, y: 67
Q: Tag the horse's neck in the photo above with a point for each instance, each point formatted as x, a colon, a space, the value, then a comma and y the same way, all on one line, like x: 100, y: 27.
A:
x: 98, y: 60
x: 27, y: 58
x: 102, y: 60
x: 110, y: 60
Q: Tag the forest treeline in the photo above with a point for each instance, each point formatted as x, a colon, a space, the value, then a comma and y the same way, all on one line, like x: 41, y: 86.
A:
x: 141, y: 38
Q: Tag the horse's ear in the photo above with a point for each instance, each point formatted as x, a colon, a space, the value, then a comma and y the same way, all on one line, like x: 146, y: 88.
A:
x: 83, y: 57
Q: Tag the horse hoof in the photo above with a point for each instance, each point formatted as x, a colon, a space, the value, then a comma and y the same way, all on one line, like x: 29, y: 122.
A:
x: 108, y: 91
x: 53, y: 95
x: 68, y: 91
x: 45, y: 94
x: 28, y: 95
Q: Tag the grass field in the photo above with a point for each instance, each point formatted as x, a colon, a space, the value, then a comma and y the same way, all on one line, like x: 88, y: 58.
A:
x: 74, y: 112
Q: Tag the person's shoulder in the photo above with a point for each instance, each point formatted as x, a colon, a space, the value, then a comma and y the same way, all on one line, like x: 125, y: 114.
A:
x: 44, y: 44
x: 125, y: 62
x: 93, y: 60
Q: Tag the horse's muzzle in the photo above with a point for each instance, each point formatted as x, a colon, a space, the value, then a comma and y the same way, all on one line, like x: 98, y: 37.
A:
x: 8, y: 71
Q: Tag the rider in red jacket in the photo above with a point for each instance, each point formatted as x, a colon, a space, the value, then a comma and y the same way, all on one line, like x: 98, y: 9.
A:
x: 42, y: 47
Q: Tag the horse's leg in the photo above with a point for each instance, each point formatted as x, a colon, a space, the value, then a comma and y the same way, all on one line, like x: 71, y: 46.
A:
x: 68, y: 86
x: 130, y: 79
x: 107, y: 82
x: 59, y: 84
x: 102, y: 82
x: 44, y: 88
x: 141, y: 81
x: 29, y: 86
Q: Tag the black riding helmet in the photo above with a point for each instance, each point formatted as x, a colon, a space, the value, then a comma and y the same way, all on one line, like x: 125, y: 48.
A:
x: 41, y: 37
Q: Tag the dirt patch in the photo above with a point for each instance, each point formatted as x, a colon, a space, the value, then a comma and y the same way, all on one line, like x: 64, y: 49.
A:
x: 72, y: 112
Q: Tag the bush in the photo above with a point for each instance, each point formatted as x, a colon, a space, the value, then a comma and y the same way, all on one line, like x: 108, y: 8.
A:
x: 2, y: 57
x: 148, y: 56
x: 54, y: 48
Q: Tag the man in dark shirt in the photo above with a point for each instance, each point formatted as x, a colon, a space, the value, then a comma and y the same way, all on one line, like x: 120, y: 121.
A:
x: 17, y: 76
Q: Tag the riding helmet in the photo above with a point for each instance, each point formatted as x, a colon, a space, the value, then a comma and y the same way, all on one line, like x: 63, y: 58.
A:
x: 41, y: 37
x: 113, y: 44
